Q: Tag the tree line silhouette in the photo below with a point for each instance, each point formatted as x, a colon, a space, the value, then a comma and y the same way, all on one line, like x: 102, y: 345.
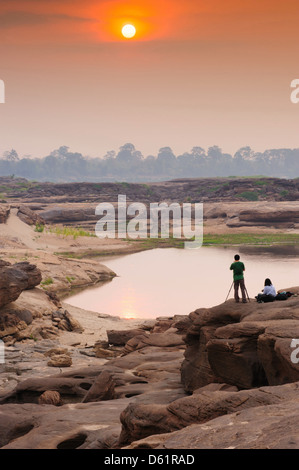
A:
x: 128, y: 164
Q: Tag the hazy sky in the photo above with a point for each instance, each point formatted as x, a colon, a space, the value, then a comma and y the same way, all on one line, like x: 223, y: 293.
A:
x: 198, y: 72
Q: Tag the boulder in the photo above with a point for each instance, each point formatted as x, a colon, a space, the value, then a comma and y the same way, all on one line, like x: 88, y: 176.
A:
x: 102, y: 389
x: 34, y: 274
x: 16, y: 278
x: 50, y: 397
x: 28, y: 216
x: 243, y: 345
x: 63, y: 320
x: 121, y: 337
x: 60, y: 360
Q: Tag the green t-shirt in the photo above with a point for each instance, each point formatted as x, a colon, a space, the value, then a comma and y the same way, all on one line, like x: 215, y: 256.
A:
x: 238, y: 268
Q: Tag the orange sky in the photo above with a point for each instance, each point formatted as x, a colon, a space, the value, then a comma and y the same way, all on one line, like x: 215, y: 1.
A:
x: 197, y: 73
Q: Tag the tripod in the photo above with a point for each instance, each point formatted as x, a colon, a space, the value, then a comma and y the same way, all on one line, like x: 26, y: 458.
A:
x: 231, y: 289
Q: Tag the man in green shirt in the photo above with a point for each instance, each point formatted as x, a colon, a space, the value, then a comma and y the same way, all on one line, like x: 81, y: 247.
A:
x: 238, y: 269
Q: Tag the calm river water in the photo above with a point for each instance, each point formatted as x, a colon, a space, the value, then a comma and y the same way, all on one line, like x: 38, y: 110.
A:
x: 170, y: 281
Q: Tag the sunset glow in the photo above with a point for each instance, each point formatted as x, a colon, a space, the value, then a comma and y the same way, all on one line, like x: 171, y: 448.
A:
x: 194, y: 74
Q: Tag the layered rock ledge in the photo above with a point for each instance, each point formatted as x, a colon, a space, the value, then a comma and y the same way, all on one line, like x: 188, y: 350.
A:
x: 247, y: 345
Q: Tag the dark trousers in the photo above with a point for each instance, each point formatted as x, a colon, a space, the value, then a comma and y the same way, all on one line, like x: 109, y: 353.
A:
x: 240, y: 283
x: 265, y: 298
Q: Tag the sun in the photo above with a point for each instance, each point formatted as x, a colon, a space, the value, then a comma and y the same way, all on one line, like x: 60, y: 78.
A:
x: 128, y: 31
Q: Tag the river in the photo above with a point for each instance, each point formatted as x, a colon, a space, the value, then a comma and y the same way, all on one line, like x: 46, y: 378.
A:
x: 170, y: 281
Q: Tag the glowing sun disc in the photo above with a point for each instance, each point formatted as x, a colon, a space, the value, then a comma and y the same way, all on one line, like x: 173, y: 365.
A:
x: 128, y: 31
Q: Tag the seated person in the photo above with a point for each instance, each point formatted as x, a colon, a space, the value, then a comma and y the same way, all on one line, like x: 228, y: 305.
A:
x: 268, y: 293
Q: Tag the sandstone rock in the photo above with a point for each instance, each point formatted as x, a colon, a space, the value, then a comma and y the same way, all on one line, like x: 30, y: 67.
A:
x: 16, y: 278
x: 233, y: 355
x: 269, y: 217
x: 70, y: 388
x: 102, y: 389
x: 12, y: 282
x: 274, y: 351
x: 104, y: 352
x: 28, y: 216
x: 67, y: 215
x: 32, y: 426
x: 4, y: 213
x: 140, y: 420
x: 216, y: 387
x: 162, y: 340
x: 35, y: 332
x: 196, y: 370
x: 251, y: 350
x: 10, y: 324
x: 63, y: 320
x: 34, y: 274
x: 56, y: 351
x: 60, y: 360
x: 50, y: 397
x: 121, y: 337
x: 262, y: 427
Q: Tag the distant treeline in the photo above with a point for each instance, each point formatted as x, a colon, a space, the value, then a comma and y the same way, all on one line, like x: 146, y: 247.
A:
x: 130, y: 165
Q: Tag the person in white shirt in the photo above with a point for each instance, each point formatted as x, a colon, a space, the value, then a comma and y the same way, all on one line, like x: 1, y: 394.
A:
x: 268, y: 293
x: 269, y: 289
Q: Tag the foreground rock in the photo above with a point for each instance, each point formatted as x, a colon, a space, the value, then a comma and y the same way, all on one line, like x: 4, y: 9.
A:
x: 91, y: 399
x: 35, y: 315
x: 218, y: 378
x: 243, y: 345
x: 263, y: 427
x: 139, y: 420
x: 14, y: 279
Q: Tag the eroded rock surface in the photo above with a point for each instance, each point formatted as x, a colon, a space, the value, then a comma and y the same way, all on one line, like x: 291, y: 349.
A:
x: 247, y: 345
x: 218, y: 378
x: 14, y: 279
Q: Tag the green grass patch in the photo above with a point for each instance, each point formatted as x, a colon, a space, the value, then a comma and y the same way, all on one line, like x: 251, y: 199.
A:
x: 260, y: 182
x: 249, y: 195
x: 251, y: 239
x: 208, y: 240
x: 39, y: 227
x: 74, y: 232
x: 47, y: 282
x: 6, y: 189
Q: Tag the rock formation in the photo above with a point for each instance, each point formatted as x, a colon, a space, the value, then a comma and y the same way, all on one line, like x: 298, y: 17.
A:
x: 15, y: 279
x: 28, y: 216
x: 248, y: 346
x: 4, y: 213
x: 218, y: 378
